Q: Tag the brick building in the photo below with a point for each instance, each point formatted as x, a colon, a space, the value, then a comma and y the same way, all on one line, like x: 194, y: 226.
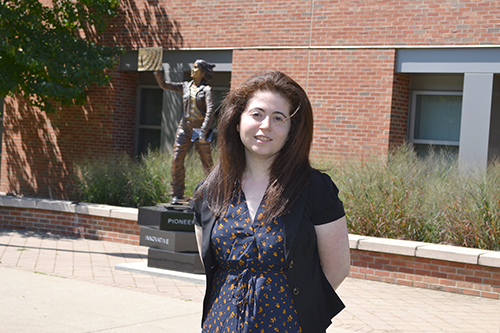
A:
x: 377, y: 72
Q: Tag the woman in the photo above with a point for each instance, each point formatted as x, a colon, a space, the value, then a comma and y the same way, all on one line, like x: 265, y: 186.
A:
x: 271, y: 230
x: 198, y: 111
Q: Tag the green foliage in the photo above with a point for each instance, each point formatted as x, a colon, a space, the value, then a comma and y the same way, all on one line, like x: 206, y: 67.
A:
x: 153, y: 179
x: 123, y: 181
x: 106, y: 180
x: 51, y: 52
x: 473, y: 217
x: 428, y: 200
x: 385, y: 199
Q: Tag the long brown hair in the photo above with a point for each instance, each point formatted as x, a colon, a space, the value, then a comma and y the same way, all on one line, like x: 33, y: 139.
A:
x: 289, y: 171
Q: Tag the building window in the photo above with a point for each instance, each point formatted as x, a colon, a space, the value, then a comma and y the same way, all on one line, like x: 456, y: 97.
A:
x: 149, y: 125
x: 435, y: 121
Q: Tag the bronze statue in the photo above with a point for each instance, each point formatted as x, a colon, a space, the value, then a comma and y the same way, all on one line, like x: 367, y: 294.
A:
x: 197, y: 114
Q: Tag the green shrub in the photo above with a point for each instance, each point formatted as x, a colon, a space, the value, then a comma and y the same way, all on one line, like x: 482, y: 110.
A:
x: 123, y: 181
x: 105, y: 180
x: 385, y: 199
x: 429, y: 200
x: 401, y: 197
x: 152, y: 184
x: 473, y: 217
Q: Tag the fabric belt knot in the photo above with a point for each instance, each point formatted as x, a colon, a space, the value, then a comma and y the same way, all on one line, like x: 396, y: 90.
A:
x: 244, y: 294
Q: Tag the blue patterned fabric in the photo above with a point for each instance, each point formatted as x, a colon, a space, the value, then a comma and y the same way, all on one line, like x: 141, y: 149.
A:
x: 250, y: 291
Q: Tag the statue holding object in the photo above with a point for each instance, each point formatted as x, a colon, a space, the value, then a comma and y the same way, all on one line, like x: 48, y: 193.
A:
x: 194, y: 127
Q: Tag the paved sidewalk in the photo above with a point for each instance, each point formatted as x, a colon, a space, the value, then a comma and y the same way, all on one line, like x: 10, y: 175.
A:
x: 54, y: 283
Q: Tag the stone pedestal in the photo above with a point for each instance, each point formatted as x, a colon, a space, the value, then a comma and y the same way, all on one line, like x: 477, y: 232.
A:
x: 169, y: 233
x: 176, y: 241
x: 175, y: 261
x: 167, y: 217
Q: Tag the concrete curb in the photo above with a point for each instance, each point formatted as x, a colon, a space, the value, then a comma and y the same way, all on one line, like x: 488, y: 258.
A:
x: 426, y: 250
x: 142, y: 267
x: 123, y: 213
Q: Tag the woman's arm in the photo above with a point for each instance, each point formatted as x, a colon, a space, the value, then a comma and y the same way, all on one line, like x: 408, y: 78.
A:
x: 334, y: 252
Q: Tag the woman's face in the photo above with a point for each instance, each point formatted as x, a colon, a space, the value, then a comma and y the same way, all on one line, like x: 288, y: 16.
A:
x: 264, y: 125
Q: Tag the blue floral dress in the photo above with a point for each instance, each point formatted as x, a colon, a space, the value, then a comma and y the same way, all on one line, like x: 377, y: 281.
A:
x: 250, y: 291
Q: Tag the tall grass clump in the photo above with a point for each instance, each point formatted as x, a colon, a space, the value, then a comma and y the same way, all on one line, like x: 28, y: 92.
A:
x: 423, y: 199
x: 403, y: 196
x: 152, y: 182
x: 472, y: 219
x: 105, y: 180
x: 124, y: 181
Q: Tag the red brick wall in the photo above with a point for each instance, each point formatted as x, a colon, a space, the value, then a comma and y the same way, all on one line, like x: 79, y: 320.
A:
x: 416, y: 22
x: 212, y: 24
x: 350, y: 91
x: 39, y: 149
x: 69, y: 224
x: 436, y: 274
x: 399, y: 109
x: 123, y: 110
x: 241, y: 23
x: 360, y: 103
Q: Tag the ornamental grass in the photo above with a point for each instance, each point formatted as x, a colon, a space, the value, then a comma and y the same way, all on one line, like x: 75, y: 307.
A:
x: 129, y: 182
x: 422, y: 199
x: 403, y: 196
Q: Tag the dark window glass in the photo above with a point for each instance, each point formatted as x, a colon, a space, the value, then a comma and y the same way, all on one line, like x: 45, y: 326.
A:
x: 148, y: 139
x: 438, y: 117
x: 150, y: 107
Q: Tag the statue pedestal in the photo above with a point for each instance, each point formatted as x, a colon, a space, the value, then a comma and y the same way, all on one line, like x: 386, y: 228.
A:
x: 169, y: 232
x: 175, y: 261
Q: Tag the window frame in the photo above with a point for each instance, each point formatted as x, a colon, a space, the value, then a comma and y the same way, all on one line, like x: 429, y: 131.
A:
x: 413, y: 114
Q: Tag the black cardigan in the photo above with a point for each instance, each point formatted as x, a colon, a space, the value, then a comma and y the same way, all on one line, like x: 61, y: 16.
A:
x: 314, y: 299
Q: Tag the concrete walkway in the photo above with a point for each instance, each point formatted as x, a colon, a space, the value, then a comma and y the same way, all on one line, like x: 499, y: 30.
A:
x: 54, y: 283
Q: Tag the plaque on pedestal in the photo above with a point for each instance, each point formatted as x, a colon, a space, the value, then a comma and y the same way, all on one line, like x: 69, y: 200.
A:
x: 167, y: 217
x: 183, y: 262
x: 168, y: 230
x: 176, y: 241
